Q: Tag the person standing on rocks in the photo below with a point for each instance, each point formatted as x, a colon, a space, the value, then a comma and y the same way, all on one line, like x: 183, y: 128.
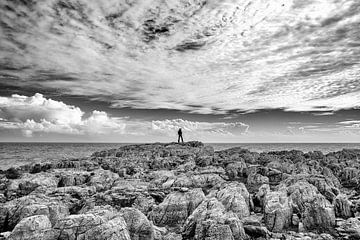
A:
x: 180, y: 136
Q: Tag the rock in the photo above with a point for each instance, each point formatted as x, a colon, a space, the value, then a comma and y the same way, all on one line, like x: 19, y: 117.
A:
x: 255, y: 179
x: 277, y: 211
x: 114, y: 229
x: 103, y: 179
x: 204, y: 181
x: 72, y: 178
x: 12, y: 173
x: 13, y: 211
x: 210, y: 220
x: 189, y: 191
x: 236, y: 170
x: 234, y: 197
x: 176, y: 207
x: 318, y: 215
x: 350, y: 229
x: 140, y: 228
x: 259, y: 198
x: 100, y: 223
x: 36, y: 227
x: 295, y: 220
x: 29, y: 182
x: 343, y: 207
x: 301, y: 192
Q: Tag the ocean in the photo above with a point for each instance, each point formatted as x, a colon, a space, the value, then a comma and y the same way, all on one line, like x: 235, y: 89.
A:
x: 16, y: 154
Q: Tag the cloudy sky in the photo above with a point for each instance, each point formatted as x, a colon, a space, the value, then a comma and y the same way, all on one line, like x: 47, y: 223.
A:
x: 137, y: 70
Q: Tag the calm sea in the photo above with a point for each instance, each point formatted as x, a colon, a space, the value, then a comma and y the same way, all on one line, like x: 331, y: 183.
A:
x: 15, y: 154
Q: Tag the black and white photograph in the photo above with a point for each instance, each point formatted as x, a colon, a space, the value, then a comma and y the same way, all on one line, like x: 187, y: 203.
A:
x: 179, y: 119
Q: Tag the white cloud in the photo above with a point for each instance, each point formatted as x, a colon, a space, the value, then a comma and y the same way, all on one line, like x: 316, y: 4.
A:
x: 350, y: 122
x: 200, y: 130
x: 37, y: 114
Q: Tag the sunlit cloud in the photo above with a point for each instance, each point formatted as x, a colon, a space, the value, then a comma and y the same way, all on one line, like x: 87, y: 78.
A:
x: 39, y: 115
x: 208, y: 57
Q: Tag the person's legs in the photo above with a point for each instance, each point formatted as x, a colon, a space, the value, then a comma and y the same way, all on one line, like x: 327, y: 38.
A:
x: 179, y: 139
x: 182, y: 140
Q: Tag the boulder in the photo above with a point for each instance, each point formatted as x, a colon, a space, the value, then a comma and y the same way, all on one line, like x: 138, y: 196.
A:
x: 318, y: 215
x: 343, y: 207
x: 36, y: 227
x: 103, y: 179
x: 234, y: 197
x: 277, y: 211
x: 210, y: 220
x: 100, y: 223
x: 236, y: 170
x: 176, y: 207
x: 139, y: 227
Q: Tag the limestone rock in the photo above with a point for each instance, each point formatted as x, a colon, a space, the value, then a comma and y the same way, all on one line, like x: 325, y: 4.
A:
x: 176, y: 207
x: 139, y: 227
x: 318, y: 215
x: 277, y: 211
x: 36, y: 227
x: 234, y: 197
x: 211, y: 221
x: 343, y: 207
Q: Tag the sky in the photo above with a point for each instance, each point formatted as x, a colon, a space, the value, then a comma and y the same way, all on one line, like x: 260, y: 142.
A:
x: 137, y: 70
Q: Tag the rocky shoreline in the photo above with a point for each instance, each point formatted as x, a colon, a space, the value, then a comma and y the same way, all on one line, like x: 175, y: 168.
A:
x: 184, y: 191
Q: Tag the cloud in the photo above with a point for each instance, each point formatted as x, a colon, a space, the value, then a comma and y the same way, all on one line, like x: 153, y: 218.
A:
x: 351, y: 124
x: 39, y: 115
x: 198, y: 56
x: 190, y: 127
x: 36, y: 114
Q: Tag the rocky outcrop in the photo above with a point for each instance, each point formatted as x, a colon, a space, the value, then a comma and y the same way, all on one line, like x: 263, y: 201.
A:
x: 277, y: 211
x: 212, y: 221
x: 177, y: 207
x: 36, y: 227
x: 184, y: 192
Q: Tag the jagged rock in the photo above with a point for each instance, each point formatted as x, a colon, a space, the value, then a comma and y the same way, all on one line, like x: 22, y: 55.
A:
x: 197, y: 181
x: 14, y: 211
x: 319, y: 214
x: 211, y: 221
x: 140, y: 228
x: 99, y: 223
x: 128, y: 193
x: 254, y: 178
x: 300, y: 193
x: 12, y: 173
x: 277, y: 211
x: 176, y: 207
x: 343, y: 207
x: 29, y: 182
x: 72, y: 178
x: 236, y: 170
x: 259, y: 199
x: 234, y: 197
x: 324, y: 185
x: 114, y: 229
x: 350, y: 229
x: 36, y: 227
x: 103, y: 179
x: 185, y: 189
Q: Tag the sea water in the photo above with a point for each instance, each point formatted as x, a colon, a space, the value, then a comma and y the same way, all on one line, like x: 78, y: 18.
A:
x: 16, y: 154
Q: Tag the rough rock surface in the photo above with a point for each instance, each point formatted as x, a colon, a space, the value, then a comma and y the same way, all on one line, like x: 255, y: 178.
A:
x: 184, y: 192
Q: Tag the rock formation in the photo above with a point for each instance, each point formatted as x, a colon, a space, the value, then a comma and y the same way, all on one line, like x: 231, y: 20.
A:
x: 184, y: 192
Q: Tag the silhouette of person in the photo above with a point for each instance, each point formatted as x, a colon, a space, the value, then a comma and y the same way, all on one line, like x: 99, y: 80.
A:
x: 180, y: 136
